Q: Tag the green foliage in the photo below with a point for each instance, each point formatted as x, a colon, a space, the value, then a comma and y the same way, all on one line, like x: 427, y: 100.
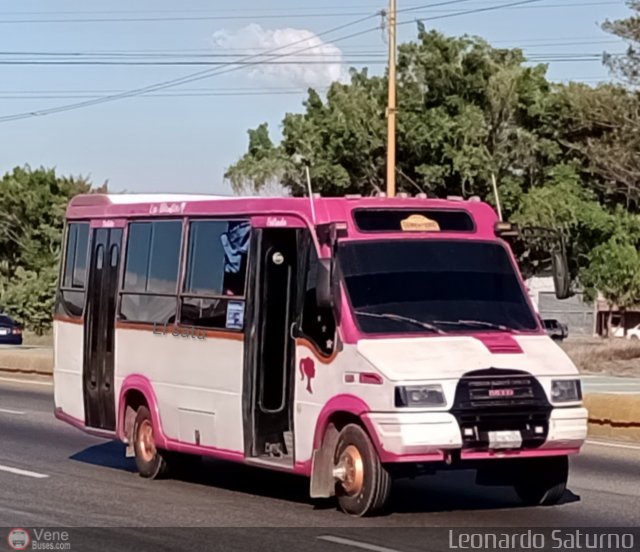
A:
x: 614, y: 271
x: 564, y: 156
x: 29, y: 296
x: 628, y: 66
x: 32, y: 207
x: 562, y: 203
x: 261, y: 167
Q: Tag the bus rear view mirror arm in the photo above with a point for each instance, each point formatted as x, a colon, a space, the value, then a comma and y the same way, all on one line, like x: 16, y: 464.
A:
x: 324, y: 286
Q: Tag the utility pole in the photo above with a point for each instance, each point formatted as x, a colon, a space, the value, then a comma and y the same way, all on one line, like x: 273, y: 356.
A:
x: 391, y: 108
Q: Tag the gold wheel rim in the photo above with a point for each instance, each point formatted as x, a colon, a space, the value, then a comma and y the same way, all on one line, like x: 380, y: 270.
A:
x: 351, y: 462
x: 146, y: 442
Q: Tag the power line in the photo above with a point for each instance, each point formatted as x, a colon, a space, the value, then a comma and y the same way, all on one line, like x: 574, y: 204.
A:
x: 193, y: 77
x: 428, y: 6
x: 114, y: 90
x: 209, y: 73
x: 165, y: 95
x: 367, y: 6
x: 125, y: 55
x: 213, y: 60
x: 546, y: 56
x: 252, y: 17
x: 197, y: 63
x: 363, y: 51
x: 472, y: 11
x: 256, y: 16
x: 183, y: 18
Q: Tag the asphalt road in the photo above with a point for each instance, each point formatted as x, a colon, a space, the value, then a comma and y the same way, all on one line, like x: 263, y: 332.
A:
x: 52, y: 475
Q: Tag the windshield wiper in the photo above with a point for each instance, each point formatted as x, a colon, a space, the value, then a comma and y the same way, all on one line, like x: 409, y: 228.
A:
x: 399, y: 318
x: 479, y: 323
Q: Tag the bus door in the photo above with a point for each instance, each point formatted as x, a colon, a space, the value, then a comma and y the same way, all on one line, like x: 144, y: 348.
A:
x: 270, y: 348
x: 99, y: 330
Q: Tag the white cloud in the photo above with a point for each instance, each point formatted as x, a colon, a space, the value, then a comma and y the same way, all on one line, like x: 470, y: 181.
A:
x: 254, y: 39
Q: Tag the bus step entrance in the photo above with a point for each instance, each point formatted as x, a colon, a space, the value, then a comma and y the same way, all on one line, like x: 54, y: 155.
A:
x: 288, y: 441
x: 274, y: 450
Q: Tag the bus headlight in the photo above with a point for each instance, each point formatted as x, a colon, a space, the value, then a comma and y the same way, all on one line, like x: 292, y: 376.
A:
x: 420, y: 395
x: 566, y: 391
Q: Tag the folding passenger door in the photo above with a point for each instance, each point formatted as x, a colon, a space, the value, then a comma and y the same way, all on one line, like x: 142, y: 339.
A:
x: 99, y: 328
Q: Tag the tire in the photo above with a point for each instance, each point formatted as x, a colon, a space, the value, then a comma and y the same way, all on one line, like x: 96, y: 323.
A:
x: 151, y: 462
x: 542, y: 481
x: 367, y: 490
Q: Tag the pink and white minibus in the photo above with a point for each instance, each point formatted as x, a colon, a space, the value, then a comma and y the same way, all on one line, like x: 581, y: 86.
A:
x: 351, y: 340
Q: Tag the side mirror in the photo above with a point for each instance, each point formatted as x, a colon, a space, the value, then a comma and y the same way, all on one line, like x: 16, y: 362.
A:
x: 328, y: 286
x: 561, y: 276
x: 324, y: 283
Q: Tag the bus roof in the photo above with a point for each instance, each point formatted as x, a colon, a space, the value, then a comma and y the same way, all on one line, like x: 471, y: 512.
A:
x: 326, y: 209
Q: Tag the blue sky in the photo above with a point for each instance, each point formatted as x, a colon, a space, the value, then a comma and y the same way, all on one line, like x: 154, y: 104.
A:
x: 183, y: 139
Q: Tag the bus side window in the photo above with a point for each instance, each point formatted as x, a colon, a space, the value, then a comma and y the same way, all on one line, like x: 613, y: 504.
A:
x: 73, y: 278
x: 318, y: 324
x: 151, y: 272
x: 214, y: 286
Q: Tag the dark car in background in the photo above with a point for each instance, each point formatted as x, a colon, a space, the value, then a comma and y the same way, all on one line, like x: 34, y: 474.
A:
x: 556, y: 330
x: 10, y: 331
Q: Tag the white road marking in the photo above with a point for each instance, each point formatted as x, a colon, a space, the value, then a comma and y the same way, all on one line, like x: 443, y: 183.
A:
x: 10, y: 411
x: 613, y: 445
x: 609, y: 392
x: 30, y: 382
x: 606, y: 384
x: 26, y: 473
x: 356, y: 544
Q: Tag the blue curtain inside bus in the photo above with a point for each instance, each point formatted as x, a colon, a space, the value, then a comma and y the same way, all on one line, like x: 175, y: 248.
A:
x: 235, y: 243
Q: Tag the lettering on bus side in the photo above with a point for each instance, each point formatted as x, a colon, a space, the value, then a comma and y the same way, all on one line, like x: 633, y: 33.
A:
x: 175, y: 331
x: 167, y: 209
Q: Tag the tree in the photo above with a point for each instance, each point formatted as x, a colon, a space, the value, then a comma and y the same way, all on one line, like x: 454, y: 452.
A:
x: 29, y: 296
x: 564, y: 204
x: 262, y: 168
x: 565, y: 156
x: 614, y: 273
x: 464, y: 113
x: 627, y: 66
x: 600, y: 128
x: 32, y: 208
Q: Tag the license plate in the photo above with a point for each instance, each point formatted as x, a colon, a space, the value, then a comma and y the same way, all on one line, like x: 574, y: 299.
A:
x: 4, y: 331
x: 505, y: 439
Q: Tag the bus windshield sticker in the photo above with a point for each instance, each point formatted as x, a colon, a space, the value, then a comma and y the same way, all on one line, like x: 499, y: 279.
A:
x: 419, y: 223
x: 235, y: 315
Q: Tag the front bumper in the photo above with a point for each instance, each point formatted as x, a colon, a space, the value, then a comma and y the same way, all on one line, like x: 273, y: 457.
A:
x: 410, y: 436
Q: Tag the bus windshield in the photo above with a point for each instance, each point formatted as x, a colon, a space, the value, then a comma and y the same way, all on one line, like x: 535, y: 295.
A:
x: 433, y: 286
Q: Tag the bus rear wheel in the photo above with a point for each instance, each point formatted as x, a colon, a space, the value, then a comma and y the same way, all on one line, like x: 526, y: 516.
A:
x: 363, y: 485
x: 542, y: 481
x: 149, y: 459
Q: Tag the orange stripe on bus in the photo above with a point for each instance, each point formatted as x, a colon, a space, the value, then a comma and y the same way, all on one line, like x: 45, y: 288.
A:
x: 149, y: 327
x: 323, y: 359
x: 68, y: 319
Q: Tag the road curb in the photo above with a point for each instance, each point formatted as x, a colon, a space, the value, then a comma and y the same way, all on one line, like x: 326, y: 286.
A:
x: 26, y: 362
x: 615, y: 417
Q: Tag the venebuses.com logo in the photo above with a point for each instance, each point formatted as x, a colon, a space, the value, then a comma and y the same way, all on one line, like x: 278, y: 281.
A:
x: 38, y: 539
x: 18, y: 539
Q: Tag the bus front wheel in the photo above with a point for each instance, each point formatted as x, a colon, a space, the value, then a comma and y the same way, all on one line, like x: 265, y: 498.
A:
x: 363, y: 484
x: 149, y: 459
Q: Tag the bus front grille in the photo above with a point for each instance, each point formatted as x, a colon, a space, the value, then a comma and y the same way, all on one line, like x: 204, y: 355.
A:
x: 501, y: 400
